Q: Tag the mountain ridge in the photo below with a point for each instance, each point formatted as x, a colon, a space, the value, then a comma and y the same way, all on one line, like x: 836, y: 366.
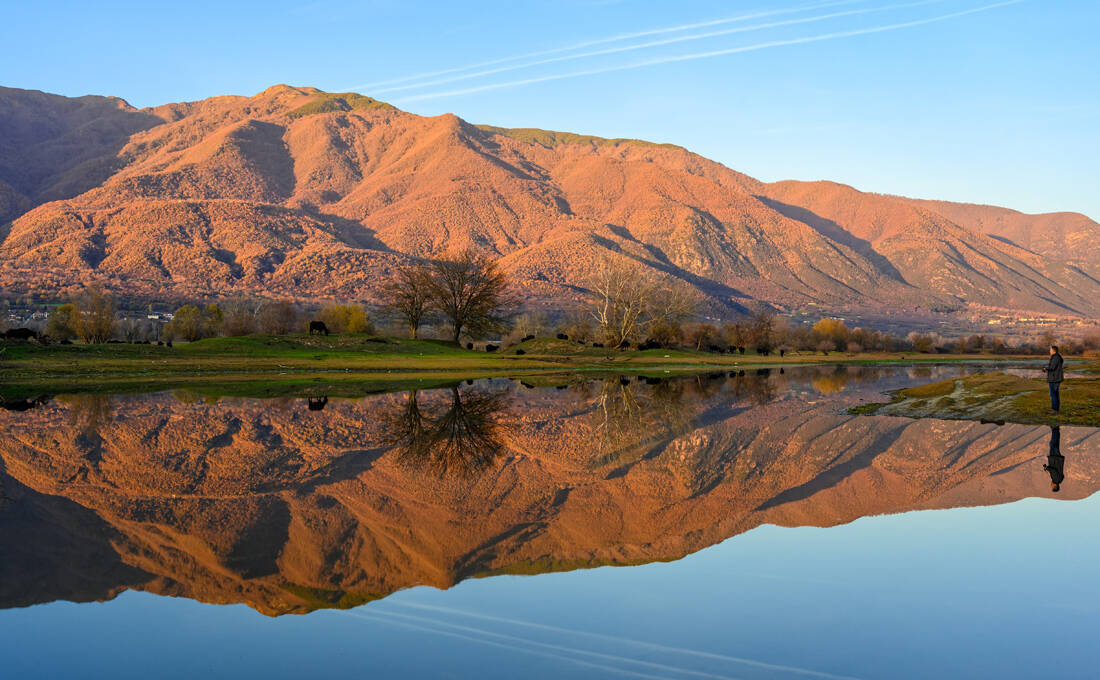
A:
x: 301, y: 193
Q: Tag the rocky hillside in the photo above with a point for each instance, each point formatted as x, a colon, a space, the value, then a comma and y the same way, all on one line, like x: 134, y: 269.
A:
x: 309, y: 194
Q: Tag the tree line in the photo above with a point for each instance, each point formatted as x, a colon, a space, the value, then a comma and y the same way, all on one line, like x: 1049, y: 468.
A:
x: 471, y: 298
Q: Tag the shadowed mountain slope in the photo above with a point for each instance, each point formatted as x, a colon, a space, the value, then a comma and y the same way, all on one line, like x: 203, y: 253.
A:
x: 308, y: 194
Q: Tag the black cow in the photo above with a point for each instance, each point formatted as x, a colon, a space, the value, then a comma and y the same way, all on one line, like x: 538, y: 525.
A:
x: 22, y: 404
x: 520, y: 351
x: 317, y: 403
x: 527, y: 337
x: 318, y: 328
x: 562, y: 336
x: 491, y: 348
x: 22, y: 334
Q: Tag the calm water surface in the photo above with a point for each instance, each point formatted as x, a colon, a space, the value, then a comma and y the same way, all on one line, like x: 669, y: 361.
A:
x: 719, y: 526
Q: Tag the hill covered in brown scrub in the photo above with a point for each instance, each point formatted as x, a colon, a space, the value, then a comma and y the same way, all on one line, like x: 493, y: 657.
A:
x: 296, y: 192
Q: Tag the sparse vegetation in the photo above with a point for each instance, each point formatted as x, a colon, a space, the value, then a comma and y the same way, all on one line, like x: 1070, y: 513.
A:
x: 552, y: 138
x: 332, y: 102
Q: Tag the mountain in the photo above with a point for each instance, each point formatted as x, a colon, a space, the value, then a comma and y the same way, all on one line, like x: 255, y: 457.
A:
x: 287, y: 509
x: 301, y: 193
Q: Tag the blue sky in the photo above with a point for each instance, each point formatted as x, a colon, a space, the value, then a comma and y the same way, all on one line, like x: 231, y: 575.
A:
x: 974, y: 100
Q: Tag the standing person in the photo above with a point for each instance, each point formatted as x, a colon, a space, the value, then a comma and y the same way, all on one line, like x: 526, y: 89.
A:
x: 1056, y: 462
x: 1054, y: 378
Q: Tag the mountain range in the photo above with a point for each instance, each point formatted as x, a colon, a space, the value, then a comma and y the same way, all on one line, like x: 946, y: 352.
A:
x: 311, y: 195
x: 289, y: 509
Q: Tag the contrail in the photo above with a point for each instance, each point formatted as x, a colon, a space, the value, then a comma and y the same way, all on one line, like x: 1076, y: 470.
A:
x: 604, y: 41
x: 704, y: 55
x: 655, y: 43
x: 556, y: 648
x: 640, y: 643
x: 513, y: 648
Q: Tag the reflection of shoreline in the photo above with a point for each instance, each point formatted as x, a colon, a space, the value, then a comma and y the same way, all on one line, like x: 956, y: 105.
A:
x: 288, y: 510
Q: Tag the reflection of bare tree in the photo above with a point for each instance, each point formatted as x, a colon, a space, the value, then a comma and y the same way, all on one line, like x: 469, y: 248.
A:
x: 87, y: 412
x: 463, y: 436
x: 628, y: 413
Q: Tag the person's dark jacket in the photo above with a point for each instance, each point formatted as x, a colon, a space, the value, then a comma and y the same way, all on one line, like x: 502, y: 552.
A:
x: 1056, y: 466
x: 1054, y: 369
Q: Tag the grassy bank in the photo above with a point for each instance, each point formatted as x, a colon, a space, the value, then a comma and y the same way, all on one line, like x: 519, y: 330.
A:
x: 257, y: 365
x: 996, y: 397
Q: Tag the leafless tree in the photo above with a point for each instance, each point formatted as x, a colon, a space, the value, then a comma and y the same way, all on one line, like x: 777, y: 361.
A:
x: 408, y: 294
x: 472, y: 292
x: 627, y: 305
x: 277, y: 317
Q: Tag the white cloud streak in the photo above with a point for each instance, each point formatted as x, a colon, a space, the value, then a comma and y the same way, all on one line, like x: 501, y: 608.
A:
x: 603, y: 41
x: 706, y: 55
x: 640, y: 643
x: 655, y: 43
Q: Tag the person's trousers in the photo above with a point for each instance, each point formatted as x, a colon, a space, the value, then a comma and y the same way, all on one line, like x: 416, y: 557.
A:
x: 1055, y: 402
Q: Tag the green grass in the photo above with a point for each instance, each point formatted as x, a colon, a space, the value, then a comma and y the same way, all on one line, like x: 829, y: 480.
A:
x: 997, y: 397
x: 551, y: 138
x: 261, y: 365
x: 334, y: 102
x: 324, y: 598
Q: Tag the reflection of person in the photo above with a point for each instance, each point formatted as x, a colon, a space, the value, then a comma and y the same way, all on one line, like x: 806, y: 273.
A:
x: 1054, y: 377
x: 1056, y: 462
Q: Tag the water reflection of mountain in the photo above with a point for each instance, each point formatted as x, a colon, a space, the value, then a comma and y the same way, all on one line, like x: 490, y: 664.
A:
x: 289, y: 509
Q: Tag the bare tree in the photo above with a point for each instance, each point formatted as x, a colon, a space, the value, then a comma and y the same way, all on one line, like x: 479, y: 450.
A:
x: 472, y: 292
x: 408, y: 294
x: 621, y: 302
x: 277, y: 317
x: 628, y: 306
x: 239, y: 318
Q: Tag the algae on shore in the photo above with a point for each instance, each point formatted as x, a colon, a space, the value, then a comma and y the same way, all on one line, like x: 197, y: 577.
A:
x: 994, y: 397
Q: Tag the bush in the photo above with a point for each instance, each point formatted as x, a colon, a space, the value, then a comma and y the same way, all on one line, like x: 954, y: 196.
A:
x: 190, y: 323
x: 346, y: 319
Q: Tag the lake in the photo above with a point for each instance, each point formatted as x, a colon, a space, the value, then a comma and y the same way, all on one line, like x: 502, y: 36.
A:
x: 726, y: 525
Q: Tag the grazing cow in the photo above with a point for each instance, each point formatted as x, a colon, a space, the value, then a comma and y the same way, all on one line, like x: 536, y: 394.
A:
x: 491, y: 348
x: 527, y: 337
x: 317, y: 403
x: 318, y: 328
x: 597, y: 344
x: 22, y: 334
x: 520, y: 351
x: 22, y: 404
x: 562, y: 336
